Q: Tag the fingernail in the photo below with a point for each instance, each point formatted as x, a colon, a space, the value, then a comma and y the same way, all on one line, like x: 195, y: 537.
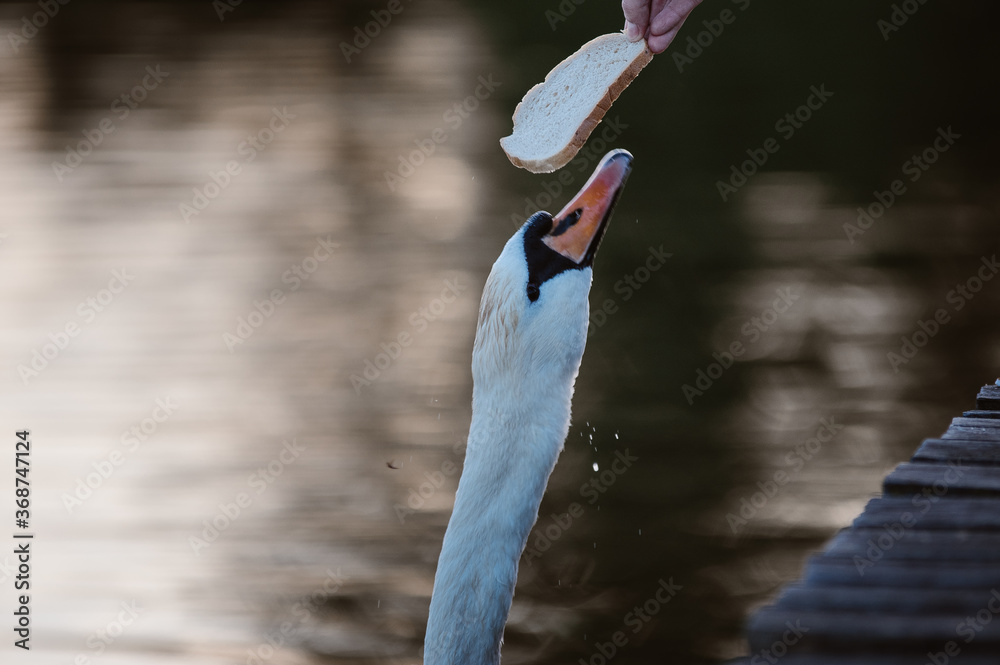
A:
x: 632, y: 31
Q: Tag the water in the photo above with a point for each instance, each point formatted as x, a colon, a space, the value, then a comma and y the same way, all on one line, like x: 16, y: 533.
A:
x: 252, y: 315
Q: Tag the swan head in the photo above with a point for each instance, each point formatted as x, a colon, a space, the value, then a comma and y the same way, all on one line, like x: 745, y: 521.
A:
x: 534, y: 313
x: 529, y: 343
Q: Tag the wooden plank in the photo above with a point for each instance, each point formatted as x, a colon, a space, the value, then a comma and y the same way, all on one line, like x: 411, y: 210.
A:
x: 942, y: 451
x: 889, y: 600
x: 867, y: 658
x: 931, y: 513
x: 972, y: 434
x: 952, y: 479
x: 979, y: 413
x: 870, y: 546
x: 988, y: 397
x: 828, y: 569
x: 912, y: 572
x: 857, y: 631
x: 975, y: 422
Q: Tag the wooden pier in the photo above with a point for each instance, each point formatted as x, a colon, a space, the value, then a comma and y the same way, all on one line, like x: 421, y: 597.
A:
x: 915, y: 580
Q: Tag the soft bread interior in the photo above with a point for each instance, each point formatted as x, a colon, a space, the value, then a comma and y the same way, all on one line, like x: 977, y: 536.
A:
x: 556, y: 116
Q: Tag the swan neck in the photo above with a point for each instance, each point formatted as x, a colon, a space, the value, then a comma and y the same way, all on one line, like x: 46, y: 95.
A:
x: 509, y: 458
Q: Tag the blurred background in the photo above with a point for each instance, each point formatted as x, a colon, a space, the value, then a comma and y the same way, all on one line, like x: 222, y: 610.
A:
x: 219, y: 218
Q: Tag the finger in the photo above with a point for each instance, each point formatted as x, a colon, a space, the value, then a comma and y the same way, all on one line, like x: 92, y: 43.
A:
x: 632, y: 31
x: 671, y: 16
x: 637, y: 13
x: 659, y: 43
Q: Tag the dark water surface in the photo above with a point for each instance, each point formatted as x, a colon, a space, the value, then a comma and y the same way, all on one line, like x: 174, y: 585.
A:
x: 219, y: 256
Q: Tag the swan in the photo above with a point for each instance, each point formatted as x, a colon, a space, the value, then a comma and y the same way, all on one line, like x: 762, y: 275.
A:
x: 530, y: 337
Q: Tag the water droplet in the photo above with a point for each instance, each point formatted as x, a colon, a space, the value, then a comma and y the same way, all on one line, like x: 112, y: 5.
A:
x: 616, y: 435
x: 595, y: 466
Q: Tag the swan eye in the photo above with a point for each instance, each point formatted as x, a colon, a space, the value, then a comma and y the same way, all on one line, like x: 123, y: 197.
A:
x: 566, y: 223
x: 533, y: 291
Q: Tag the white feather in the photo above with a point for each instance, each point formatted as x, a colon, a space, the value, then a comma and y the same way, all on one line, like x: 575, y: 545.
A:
x: 524, y: 364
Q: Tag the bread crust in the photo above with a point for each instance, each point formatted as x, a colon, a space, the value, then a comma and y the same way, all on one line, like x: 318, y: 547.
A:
x: 582, y: 133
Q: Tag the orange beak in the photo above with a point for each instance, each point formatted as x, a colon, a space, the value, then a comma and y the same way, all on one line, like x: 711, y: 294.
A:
x: 579, y: 227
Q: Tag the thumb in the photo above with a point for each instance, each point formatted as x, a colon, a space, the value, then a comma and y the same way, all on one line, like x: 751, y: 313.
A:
x: 637, y: 14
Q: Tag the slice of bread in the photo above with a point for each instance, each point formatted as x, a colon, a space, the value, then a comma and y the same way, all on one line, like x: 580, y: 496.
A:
x: 556, y: 116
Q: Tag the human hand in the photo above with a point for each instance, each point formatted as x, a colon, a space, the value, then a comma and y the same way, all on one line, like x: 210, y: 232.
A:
x: 656, y: 20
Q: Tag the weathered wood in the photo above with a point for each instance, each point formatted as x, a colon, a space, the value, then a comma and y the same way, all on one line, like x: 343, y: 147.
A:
x: 952, y: 479
x: 975, y: 422
x: 827, y: 569
x: 890, y: 600
x: 979, y: 413
x: 916, y: 579
x: 873, y: 545
x: 866, y: 658
x: 931, y: 513
x: 972, y: 434
x: 988, y: 397
x: 942, y: 451
x: 854, y: 631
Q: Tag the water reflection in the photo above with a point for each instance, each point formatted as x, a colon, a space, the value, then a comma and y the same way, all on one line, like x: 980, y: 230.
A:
x: 312, y: 321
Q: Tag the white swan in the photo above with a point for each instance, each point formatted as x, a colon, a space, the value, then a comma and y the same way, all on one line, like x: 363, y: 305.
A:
x: 532, y: 330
